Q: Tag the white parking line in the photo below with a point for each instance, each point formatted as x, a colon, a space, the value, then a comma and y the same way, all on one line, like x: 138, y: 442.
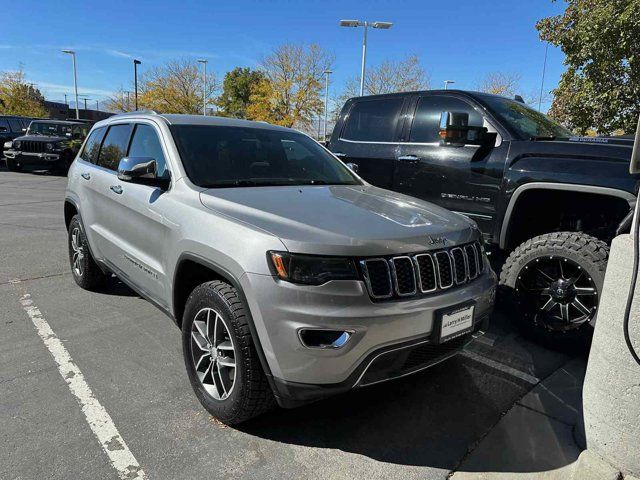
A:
x: 502, y: 367
x: 97, y: 417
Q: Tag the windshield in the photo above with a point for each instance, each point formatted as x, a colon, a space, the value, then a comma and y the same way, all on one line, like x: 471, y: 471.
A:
x: 216, y: 156
x: 527, y: 122
x: 49, y: 129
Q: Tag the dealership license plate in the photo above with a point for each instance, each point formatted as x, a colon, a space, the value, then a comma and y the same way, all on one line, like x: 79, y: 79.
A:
x: 456, y: 322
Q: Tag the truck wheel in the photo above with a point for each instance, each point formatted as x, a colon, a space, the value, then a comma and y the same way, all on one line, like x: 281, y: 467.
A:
x: 84, y: 269
x: 13, y: 166
x: 220, y: 356
x: 554, y: 282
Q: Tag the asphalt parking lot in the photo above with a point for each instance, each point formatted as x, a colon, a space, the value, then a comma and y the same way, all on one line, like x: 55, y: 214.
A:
x: 130, y: 356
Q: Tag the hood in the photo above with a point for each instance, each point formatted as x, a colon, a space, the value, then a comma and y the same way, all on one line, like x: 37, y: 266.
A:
x: 41, y: 138
x: 604, y: 148
x: 343, y: 220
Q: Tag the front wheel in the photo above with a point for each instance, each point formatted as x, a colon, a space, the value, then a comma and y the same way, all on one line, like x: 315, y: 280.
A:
x: 220, y: 356
x: 86, y: 272
x: 554, y: 281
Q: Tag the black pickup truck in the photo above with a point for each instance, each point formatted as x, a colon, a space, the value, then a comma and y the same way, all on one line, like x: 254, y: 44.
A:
x: 549, y: 200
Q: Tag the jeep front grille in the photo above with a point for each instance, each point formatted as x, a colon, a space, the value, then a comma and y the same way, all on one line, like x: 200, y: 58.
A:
x: 409, y: 275
x: 32, y: 146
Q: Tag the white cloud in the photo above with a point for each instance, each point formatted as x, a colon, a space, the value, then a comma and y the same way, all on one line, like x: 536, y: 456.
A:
x: 59, y: 88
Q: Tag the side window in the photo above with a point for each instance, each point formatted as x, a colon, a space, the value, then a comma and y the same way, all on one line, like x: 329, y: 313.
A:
x: 92, y: 147
x: 145, y: 143
x: 373, y: 120
x: 15, y: 125
x: 426, y: 122
x: 114, y: 147
x: 4, y: 125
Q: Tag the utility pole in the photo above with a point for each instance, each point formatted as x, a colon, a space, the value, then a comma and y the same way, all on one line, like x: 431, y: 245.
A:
x: 65, y: 99
x: 135, y: 79
x: 326, y: 100
x: 204, y: 86
x: 75, y: 79
x: 97, y: 109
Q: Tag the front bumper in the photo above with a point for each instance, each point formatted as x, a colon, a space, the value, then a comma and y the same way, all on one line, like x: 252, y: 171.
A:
x: 385, y: 334
x: 29, y: 157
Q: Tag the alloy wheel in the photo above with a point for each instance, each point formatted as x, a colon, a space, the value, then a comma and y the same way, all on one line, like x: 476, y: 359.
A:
x: 557, y: 292
x: 78, y: 252
x: 213, y: 353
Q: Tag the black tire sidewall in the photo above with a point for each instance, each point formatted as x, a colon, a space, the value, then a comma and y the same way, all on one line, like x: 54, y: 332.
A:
x: 205, y: 296
x: 92, y: 277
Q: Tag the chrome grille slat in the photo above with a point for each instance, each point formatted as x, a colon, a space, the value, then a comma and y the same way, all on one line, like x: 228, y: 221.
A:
x: 404, y: 276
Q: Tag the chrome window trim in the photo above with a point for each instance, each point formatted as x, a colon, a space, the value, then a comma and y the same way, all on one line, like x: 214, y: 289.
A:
x: 394, y: 276
x: 435, y: 273
x: 464, y: 261
x: 435, y: 255
x: 367, y: 280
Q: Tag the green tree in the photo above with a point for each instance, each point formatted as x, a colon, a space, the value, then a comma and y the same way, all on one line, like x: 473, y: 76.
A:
x: 17, y: 97
x: 236, y: 91
x: 601, y: 42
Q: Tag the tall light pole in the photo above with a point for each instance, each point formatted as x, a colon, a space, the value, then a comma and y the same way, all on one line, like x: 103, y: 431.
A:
x: 75, y: 79
x: 97, y: 108
x: 366, y: 25
x: 65, y: 99
x: 544, y: 68
x: 326, y: 100
x: 128, y: 102
x: 204, y: 86
x: 135, y: 79
x: 447, y: 82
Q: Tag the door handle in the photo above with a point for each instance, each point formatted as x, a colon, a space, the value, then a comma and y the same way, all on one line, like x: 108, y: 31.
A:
x: 339, y: 154
x: 86, y: 175
x: 116, y: 189
x: 408, y: 158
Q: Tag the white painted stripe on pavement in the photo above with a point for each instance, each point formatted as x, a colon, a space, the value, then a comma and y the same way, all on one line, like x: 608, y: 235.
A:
x: 502, y: 367
x: 97, y: 417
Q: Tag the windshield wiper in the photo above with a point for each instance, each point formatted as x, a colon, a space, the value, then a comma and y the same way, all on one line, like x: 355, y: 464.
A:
x: 536, y: 138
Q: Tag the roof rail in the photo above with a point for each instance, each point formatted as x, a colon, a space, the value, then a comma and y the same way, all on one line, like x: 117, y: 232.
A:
x: 136, y: 112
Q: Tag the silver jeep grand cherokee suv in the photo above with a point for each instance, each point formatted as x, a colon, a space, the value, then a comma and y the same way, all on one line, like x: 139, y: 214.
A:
x: 291, y: 278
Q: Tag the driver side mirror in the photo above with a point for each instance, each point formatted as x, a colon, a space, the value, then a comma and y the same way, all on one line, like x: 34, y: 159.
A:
x: 138, y: 169
x: 455, y: 130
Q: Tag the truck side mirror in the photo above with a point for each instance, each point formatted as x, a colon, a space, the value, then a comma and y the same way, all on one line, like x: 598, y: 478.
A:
x: 634, y: 166
x: 455, y: 130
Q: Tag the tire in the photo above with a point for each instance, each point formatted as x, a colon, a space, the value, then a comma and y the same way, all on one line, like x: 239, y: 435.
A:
x: 61, y: 167
x: 13, y: 166
x: 86, y: 272
x: 556, y: 309
x: 232, y: 395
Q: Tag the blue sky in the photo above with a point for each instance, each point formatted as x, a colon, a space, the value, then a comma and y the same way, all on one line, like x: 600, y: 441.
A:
x: 454, y: 39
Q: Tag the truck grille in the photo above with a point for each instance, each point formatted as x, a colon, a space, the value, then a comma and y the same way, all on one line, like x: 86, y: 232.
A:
x: 32, y: 146
x: 405, y: 276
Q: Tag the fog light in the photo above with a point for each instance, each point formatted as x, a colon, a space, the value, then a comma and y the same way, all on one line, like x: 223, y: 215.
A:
x: 313, y: 338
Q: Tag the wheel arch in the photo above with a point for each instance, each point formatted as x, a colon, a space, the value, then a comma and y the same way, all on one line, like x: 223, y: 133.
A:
x: 70, y: 209
x: 542, y: 187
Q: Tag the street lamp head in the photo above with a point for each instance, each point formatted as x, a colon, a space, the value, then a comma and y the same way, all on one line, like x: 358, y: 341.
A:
x: 328, y: 72
x: 137, y: 62
x: 200, y: 60
x: 349, y: 23
x: 71, y: 52
x: 383, y: 25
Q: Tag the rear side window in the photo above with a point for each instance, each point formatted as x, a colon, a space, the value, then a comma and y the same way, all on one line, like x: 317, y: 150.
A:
x: 16, y: 126
x: 114, y: 147
x: 373, y: 120
x: 92, y: 147
x: 145, y: 143
x: 426, y: 122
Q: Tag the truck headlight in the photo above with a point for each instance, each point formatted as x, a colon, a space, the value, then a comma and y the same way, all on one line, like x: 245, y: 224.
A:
x: 49, y: 146
x: 312, y: 269
x: 8, y: 144
x: 16, y: 144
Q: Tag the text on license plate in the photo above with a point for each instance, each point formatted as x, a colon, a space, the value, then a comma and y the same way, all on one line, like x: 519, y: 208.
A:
x: 457, y: 322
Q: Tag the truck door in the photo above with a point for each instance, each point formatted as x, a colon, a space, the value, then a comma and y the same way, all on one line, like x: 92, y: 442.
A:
x: 369, y: 138
x: 465, y: 179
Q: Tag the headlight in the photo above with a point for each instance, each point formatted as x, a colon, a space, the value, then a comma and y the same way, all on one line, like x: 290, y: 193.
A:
x: 16, y: 144
x: 312, y: 269
x: 8, y: 144
x: 49, y: 146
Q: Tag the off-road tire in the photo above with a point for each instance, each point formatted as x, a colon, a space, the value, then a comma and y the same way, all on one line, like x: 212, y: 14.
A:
x: 251, y: 394
x: 12, y: 166
x: 587, y: 251
x: 92, y: 276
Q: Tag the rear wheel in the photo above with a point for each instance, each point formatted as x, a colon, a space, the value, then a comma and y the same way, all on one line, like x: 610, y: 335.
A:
x: 554, y: 282
x: 13, y: 165
x: 220, y: 356
x: 86, y: 272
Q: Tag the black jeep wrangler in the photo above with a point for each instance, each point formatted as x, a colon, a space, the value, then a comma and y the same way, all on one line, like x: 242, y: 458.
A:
x: 53, y: 143
x: 550, y: 200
